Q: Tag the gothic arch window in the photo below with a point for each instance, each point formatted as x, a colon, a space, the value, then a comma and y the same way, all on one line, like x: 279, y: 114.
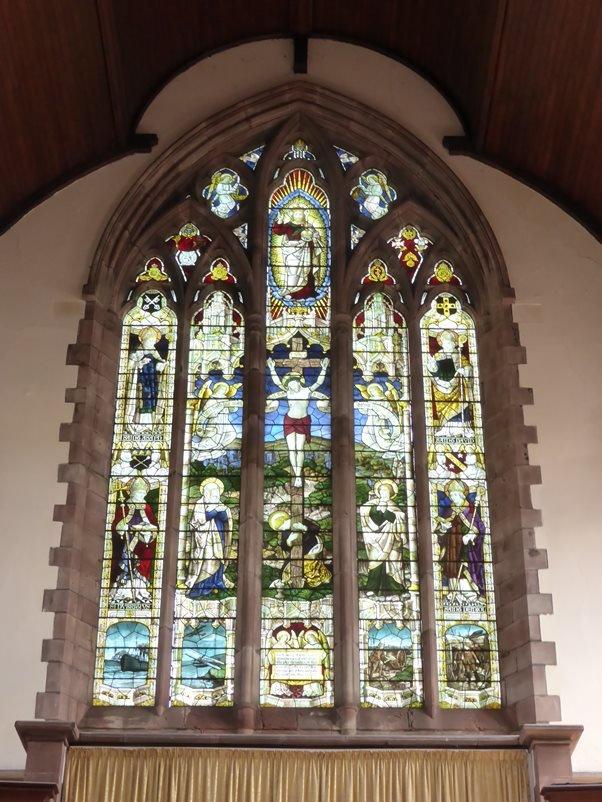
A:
x: 299, y: 559
x: 304, y: 323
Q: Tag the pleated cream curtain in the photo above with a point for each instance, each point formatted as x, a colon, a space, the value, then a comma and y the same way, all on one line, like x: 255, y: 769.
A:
x: 184, y: 774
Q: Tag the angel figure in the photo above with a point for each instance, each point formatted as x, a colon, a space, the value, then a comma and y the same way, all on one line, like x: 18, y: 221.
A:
x: 213, y: 431
x: 383, y: 430
x: 314, y: 645
x: 225, y: 192
x: 297, y: 661
x: 373, y: 194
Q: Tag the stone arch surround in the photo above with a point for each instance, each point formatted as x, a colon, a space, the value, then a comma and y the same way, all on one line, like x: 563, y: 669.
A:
x: 538, y: 242
x: 434, y: 195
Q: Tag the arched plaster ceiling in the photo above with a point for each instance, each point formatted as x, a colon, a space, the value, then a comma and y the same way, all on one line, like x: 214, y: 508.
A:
x: 523, y: 76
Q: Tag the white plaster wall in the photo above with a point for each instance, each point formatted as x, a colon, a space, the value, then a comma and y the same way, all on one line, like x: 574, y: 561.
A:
x: 554, y: 265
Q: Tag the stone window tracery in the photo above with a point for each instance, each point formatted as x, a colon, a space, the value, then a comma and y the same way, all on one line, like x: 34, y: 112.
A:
x: 298, y: 512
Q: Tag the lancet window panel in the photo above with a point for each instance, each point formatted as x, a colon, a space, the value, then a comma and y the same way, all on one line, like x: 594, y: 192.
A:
x: 297, y: 601
x: 467, y: 658
x: 389, y: 603
x: 130, y: 601
x: 207, y: 573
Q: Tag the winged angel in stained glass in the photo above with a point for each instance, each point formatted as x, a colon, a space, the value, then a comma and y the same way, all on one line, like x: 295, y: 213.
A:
x: 225, y: 193
x: 373, y: 194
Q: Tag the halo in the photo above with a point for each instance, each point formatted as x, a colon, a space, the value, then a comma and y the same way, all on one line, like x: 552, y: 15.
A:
x: 393, y: 486
x: 137, y: 480
x: 460, y: 338
x: 218, y: 386
x: 456, y: 484
x: 279, y: 520
x: 212, y: 481
x: 371, y: 389
x: 294, y: 374
x: 148, y: 330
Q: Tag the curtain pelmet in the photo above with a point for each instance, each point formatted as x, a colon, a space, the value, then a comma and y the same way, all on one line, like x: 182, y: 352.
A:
x: 180, y: 774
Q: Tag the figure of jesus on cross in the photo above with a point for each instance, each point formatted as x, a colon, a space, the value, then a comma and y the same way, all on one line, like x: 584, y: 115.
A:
x: 297, y: 420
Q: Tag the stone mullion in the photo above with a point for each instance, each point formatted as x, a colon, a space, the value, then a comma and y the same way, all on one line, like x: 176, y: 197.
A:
x: 248, y: 615
x: 423, y: 522
x: 345, y: 608
x: 172, y: 518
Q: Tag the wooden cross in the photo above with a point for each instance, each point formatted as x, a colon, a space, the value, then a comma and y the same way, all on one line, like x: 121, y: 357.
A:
x: 296, y: 361
x: 297, y: 358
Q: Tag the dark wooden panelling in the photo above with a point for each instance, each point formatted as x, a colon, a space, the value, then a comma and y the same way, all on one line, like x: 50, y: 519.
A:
x: 524, y: 76
x: 447, y: 40
x: 55, y: 109
x: 156, y: 38
x: 545, y: 116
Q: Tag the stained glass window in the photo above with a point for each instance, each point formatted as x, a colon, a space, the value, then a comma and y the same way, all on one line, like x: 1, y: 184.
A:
x: 373, y: 194
x: 128, y: 628
x: 355, y: 235
x: 242, y: 232
x: 347, y: 159
x: 205, y: 283
x: 410, y: 245
x: 297, y: 618
x: 153, y: 271
x: 225, y: 193
x: 461, y: 536
x: 300, y: 150
x: 187, y: 245
x: 251, y: 157
x: 390, y: 658
x: 205, y: 605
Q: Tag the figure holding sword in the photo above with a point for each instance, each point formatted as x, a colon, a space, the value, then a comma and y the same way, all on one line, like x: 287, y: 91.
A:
x: 461, y: 532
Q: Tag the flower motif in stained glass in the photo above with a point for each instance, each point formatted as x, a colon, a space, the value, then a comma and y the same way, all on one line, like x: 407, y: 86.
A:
x: 219, y: 271
x: 410, y: 245
x: 443, y: 273
x: 378, y: 273
x: 153, y: 271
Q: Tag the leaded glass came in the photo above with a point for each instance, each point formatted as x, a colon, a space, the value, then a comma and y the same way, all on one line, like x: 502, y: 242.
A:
x: 291, y: 264
x: 297, y: 615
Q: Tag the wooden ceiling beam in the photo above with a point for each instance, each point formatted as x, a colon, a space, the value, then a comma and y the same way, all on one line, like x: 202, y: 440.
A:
x: 521, y: 74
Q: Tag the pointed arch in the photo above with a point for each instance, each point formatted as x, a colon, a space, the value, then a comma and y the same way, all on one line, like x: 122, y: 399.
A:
x: 130, y: 598
x: 313, y: 297
x: 465, y: 613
